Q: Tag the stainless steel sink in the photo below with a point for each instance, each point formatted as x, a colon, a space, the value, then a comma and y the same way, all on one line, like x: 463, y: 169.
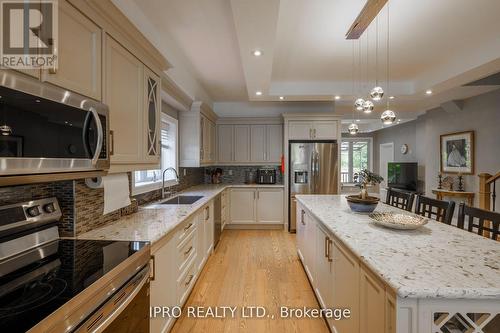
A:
x: 182, y: 200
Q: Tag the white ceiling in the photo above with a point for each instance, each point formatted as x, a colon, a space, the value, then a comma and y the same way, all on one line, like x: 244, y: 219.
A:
x: 438, y: 45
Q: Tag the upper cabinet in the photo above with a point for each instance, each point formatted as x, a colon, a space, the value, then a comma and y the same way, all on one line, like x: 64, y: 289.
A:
x: 132, y: 94
x: 79, y: 54
x: 254, y: 143
x: 197, y: 136
x: 313, y: 130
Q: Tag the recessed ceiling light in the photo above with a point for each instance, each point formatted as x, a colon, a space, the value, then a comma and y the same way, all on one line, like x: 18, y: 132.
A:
x: 257, y: 53
x: 282, y: 97
x: 357, y: 120
x: 337, y: 97
x: 391, y: 97
x: 37, y: 100
x: 258, y: 93
x: 428, y: 92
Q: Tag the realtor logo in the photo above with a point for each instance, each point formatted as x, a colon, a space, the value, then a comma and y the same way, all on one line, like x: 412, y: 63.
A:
x: 28, y: 34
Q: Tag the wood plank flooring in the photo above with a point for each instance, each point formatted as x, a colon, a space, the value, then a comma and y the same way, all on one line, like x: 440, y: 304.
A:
x: 252, y: 268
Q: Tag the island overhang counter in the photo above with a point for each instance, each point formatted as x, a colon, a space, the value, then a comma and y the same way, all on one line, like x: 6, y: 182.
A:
x: 410, y: 281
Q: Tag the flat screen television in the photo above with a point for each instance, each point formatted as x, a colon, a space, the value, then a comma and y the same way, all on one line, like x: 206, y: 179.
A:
x: 402, y: 175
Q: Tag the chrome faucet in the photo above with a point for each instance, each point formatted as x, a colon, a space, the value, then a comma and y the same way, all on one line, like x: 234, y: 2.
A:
x: 163, y: 180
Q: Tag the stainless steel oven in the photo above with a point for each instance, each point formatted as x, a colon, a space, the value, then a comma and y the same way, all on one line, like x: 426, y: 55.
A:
x: 46, y: 129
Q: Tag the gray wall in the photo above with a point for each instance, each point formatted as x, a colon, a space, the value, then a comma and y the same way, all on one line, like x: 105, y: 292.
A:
x: 480, y: 114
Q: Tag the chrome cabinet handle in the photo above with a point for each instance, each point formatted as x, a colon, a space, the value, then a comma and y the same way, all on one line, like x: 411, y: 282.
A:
x: 302, y: 213
x: 188, y: 226
x: 328, y: 248
x: 314, y: 133
x: 100, y: 136
x: 190, y: 279
x: 188, y: 250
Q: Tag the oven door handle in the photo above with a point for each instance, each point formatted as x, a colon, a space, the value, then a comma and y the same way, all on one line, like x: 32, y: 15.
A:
x: 99, y: 322
x: 100, y: 136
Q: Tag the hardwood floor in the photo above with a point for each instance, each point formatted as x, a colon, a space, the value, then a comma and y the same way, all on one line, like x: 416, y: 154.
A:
x: 252, y: 268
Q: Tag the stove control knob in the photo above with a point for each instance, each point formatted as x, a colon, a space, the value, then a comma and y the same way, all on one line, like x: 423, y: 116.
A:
x: 49, y: 208
x: 33, y: 211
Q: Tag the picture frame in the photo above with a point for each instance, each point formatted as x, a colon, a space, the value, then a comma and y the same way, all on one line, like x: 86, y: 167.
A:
x: 457, y: 153
x: 11, y: 146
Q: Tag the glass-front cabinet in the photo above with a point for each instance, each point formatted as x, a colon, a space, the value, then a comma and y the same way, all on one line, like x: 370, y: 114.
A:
x: 152, y: 115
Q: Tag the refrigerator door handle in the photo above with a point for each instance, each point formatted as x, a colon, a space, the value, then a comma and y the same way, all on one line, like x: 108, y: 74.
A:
x: 312, y: 178
x: 317, y: 170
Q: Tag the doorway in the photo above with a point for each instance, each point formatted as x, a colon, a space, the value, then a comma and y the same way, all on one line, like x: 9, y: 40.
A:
x: 386, y: 155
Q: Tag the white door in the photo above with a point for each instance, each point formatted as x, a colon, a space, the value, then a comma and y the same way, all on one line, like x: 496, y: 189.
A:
x: 242, y: 143
x: 258, y: 143
x: 300, y: 130
x: 243, y: 205
x: 225, y: 143
x: 270, y: 205
x: 274, y: 143
x: 386, y: 156
x: 325, y: 130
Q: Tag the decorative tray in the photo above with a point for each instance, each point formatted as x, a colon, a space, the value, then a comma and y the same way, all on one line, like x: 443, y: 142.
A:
x: 399, y: 221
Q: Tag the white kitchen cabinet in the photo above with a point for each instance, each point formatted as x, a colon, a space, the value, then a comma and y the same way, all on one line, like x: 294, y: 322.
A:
x: 274, y: 143
x: 324, y: 267
x: 306, y: 237
x: 197, y: 136
x: 124, y: 96
x: 371, y: 302
x: 151, y: 114
x: 270, y: 205
x: 208, y: 220
x: 258, y: 143
x: 241, y: 143
x: 300, y: 232
x: 225, y: 143
x: 79, y: 68
x: 312, y: 130
x: 163, y: 284
x: 243, y: 205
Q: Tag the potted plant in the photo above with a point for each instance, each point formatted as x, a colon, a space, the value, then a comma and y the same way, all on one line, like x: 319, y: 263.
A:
x: 362, y: 202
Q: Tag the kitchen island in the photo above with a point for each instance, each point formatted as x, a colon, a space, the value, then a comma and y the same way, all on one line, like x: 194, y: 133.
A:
x: 397, y: 281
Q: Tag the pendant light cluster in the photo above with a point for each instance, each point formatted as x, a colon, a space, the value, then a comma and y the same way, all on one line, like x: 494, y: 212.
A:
x: 377, y: 93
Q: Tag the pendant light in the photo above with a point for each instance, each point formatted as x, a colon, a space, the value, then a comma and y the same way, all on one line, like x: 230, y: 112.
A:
x: 358, y: 104
x: 353, y: 127
x: 377, y: 92
x: 5, y: 130
x: 368, y: 105
x: 388, y: 116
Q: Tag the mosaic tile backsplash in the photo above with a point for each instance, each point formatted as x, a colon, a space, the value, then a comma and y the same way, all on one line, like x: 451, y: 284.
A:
x: 239, y: 173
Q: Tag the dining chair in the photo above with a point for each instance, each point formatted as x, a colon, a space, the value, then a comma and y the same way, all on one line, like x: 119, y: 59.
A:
x: 400, y: 199
x: 439, y: 210
x: 472, y: 213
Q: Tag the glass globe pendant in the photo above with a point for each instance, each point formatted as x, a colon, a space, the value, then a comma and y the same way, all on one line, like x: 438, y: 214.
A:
x: 358, y: 104
x: 368, y: 107
x: 5, y: 130
x: 388, y: 117
x: 353, y: 129
x: 377, y: 93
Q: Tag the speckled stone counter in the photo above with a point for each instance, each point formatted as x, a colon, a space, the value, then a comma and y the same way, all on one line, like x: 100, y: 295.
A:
x: 435, y: 261
x: 154, y: 221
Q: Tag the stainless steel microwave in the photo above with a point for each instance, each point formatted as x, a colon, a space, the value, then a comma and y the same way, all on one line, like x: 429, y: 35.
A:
x: 46, y: 129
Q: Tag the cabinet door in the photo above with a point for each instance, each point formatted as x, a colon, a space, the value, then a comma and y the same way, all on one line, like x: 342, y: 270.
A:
x: 124, y: 89
x: 241, y: 143
x: 310, y: 246
x: 258, y: 143
x: 205, y: 139
x: 324, y: 268
x: 225, y: 143
x: 79, y: 54
x: 300, y: 130
x: 372, y: 303
x: 213, y: 142
x: 243, y: 205
x: 152, y: 103
x: 300, y: 230
x: 270, y: 205
x: 208, y: 212
x: 163, y: 284
x: 274, y: 143
x: 345, y: 286
x: 201, y: 255
x: 325, y: 130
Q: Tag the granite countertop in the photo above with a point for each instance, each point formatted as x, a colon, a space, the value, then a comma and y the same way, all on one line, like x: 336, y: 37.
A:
x: 435, y: 261
x: 153, y: 221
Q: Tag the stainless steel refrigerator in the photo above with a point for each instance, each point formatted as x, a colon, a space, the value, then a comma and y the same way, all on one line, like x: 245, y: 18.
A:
x: 313, y: 169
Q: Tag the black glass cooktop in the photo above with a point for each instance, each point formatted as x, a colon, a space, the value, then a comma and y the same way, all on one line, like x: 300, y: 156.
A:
x: 35, y: 284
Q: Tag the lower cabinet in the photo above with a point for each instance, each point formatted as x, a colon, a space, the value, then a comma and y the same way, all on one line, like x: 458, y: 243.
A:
x: 340, y: 280
x: 177, y: 263
x: 256, y: 205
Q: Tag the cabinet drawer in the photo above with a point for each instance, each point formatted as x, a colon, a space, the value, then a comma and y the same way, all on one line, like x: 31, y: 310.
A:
x: 185, y: 282
x: 185, y: 229
x: 185, y: 251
